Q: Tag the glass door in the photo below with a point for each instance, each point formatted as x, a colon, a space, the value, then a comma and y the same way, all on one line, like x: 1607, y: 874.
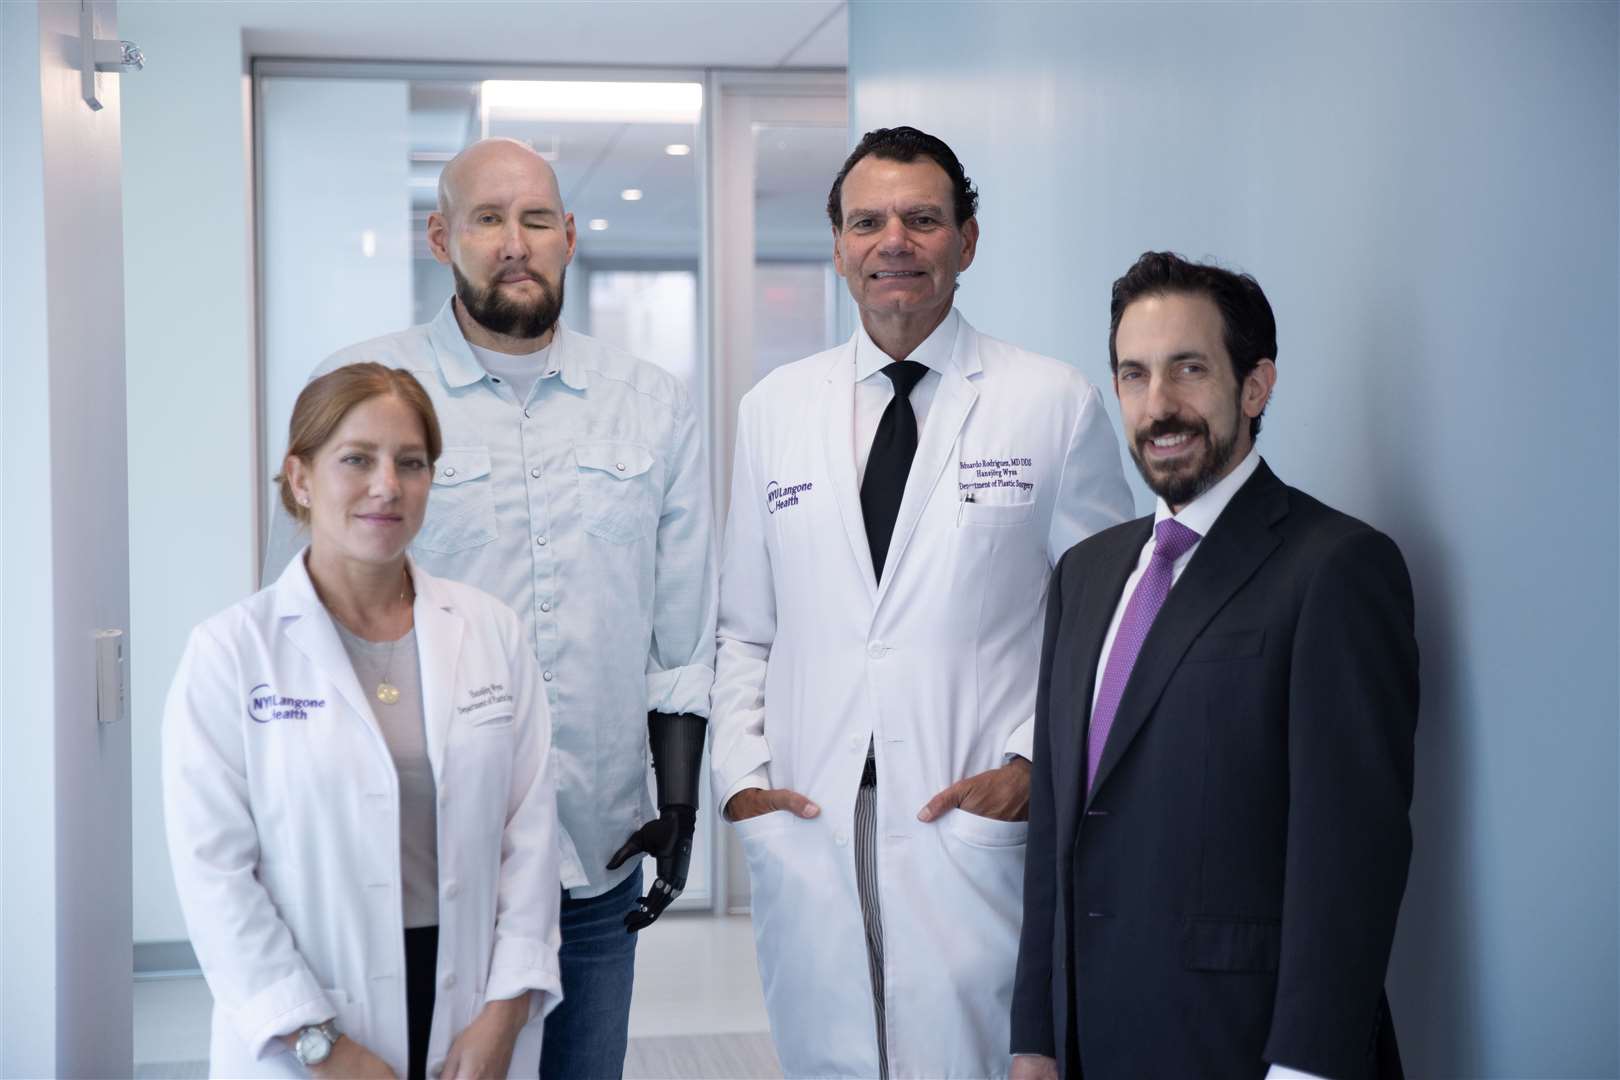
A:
x: 776, y: 142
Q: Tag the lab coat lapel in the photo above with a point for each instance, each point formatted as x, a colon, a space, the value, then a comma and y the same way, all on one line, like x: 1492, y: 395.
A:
x: 952, y: 402
x: 438, y: 645
x: 835, y: 415
x: 1239, y: 542
x: 311, y: 630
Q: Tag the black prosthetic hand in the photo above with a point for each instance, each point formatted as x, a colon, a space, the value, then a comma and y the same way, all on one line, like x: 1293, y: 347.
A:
x: 677, y: 753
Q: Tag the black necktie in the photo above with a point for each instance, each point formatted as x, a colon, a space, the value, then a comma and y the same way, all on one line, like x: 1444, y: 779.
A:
x: 890, y: 461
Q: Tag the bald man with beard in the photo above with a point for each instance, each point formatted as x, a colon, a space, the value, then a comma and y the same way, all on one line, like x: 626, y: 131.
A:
x: 572, y: 485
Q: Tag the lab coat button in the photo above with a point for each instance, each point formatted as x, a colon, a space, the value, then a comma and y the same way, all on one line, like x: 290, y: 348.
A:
x: 451, y: 891
x: 547, y: 676
x: 842, y: 839
x: 855, y: 743
x: 449, y: 981
x: 876, y: 650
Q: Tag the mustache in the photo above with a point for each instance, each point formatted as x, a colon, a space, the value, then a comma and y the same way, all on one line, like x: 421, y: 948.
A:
x: 1173, y: 425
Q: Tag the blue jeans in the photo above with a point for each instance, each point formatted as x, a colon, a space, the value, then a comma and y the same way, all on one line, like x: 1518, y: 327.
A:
x: 586, y: 1036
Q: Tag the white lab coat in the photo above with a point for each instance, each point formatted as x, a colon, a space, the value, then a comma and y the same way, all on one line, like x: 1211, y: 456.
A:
x: 938, y: 663
x: 282, y: 806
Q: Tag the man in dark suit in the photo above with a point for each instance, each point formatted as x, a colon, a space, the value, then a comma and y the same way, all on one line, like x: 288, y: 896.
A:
x: 1228, y: 692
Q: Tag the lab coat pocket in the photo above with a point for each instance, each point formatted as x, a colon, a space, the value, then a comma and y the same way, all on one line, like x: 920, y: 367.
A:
x: 985, y: 832
x: 990, y: 854
x: 461, y: 506
x: 994, y: 514
x: 615, y: 490
x: 486, y: 722
x: 763, y: 840
x: 764, y: 823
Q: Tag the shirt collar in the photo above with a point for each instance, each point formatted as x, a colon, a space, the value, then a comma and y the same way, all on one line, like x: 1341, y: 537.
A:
x: 1200, y: 514
x: 460, y: 367
x: 934, y: 353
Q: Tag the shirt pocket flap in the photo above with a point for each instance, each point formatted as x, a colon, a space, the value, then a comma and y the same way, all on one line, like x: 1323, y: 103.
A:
x: 1236, y: 646
x: 459, y: 464
x: 622, y: 461
x: 1209, y: 944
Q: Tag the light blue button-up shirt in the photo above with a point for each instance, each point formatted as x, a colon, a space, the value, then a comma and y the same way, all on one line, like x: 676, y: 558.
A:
x: 585, y: 508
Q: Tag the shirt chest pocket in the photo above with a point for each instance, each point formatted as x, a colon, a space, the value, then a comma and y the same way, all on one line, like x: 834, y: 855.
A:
x: 616, y: 490
x: 461, y: 506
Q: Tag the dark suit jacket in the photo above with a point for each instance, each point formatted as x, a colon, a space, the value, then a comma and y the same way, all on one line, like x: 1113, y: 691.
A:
x: 1226, y: 896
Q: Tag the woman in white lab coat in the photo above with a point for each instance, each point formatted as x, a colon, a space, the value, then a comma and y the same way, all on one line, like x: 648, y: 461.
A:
x: 360, y: 803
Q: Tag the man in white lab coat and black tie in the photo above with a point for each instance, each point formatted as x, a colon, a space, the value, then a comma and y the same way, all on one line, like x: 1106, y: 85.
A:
x: 897, y: 505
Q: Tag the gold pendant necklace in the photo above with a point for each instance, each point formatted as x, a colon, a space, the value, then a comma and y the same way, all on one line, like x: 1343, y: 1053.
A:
x: 387, y: 692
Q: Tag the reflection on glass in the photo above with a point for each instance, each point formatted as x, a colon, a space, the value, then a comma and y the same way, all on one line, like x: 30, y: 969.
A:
x: 651, y: 314
x: 795, y: 289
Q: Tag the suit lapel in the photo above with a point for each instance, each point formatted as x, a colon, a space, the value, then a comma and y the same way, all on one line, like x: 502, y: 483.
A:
x: 953, y: 400
x: 1100, y: 593
x: 1239, y: 542
x: 835, y: 415
x: 438, y: 643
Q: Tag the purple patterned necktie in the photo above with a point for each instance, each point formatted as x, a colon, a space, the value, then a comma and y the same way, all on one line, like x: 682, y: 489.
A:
x: 1171, y: 541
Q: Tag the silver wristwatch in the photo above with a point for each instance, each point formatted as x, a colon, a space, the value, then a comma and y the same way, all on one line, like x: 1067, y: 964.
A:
x: 315, y: 1043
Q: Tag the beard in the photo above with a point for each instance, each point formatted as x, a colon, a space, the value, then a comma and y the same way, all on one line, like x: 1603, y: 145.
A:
x: 1181, y: 483
x: 501, y: 315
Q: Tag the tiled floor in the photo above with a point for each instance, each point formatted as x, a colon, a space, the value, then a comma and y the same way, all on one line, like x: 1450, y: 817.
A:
x: 697, y: 1012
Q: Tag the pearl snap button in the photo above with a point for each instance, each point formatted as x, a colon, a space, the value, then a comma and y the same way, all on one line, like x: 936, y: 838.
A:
x: 620, y: 466
x: 449, y: 472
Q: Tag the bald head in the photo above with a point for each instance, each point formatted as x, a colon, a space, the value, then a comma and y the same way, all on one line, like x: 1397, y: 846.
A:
x: 501, y: 228
x: 506, y: 167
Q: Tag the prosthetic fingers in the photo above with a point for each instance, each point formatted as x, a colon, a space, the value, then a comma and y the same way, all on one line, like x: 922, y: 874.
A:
x: 677, y: 753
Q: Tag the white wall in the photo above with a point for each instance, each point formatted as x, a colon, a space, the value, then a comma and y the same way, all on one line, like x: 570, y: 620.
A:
x: 65, y: 990
x: 189, y: 315
x: 1429, y: 194
x: 27, y: 751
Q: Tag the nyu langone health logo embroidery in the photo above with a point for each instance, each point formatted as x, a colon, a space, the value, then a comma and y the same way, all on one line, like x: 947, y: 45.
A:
x: 779, y: 496
x: 265, y: 705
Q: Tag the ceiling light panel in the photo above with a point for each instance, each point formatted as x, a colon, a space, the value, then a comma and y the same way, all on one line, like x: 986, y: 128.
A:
x: 593, y: 102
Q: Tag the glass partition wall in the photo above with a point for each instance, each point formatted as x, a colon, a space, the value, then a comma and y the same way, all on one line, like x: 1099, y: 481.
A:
x: 348, y: 159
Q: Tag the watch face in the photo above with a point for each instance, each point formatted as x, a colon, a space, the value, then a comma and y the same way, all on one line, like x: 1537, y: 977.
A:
x: 313, y: 1046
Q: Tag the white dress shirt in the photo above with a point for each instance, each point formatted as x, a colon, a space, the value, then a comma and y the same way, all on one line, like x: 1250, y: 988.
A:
x: 1200, y: 516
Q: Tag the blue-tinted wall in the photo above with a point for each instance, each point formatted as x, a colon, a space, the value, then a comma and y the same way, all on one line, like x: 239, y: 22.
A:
x: 1430, y: 194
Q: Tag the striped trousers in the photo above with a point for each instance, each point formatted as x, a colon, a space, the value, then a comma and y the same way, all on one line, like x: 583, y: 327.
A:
x: 871, y: 911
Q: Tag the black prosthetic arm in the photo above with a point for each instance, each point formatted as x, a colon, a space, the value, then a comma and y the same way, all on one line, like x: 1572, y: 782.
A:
x: 677, y: 753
